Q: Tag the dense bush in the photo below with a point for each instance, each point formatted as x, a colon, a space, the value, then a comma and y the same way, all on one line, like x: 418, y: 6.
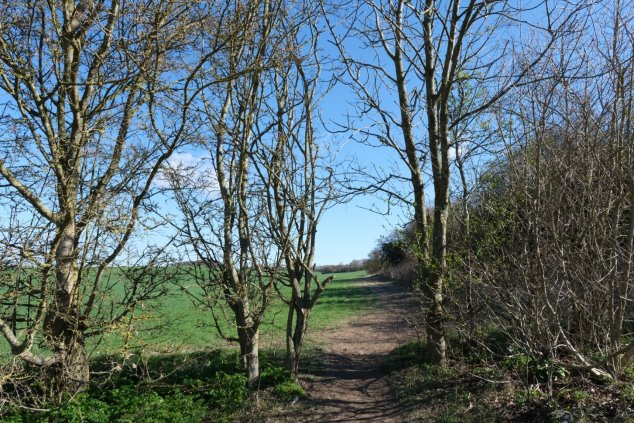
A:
x: 394, y: 256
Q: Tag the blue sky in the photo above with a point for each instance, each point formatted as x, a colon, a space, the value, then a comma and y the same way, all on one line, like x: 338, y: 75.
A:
x: 348, y: 232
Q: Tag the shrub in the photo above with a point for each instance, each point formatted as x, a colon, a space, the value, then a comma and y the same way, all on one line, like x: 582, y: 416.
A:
x: 150, y: 407
x: 228, y: 391
x: 274, y: 375
x: 288, y: 390
x: 406, y: 355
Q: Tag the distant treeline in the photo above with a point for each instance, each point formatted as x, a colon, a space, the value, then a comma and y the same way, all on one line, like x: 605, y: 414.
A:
x: 353, y: 266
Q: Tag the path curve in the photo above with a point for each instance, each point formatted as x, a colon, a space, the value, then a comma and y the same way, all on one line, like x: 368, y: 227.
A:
x: 345, y: 383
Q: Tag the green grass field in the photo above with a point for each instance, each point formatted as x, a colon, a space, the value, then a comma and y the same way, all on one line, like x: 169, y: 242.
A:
x: 173, y: 324
x: 179, y: 370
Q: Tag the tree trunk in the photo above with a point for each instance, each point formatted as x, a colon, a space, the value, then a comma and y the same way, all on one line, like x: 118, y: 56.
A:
x: 436, y: 275
x: 295, y: 337
x: 249, y: 337
x: 64, y: 328
x: 434, y: 322
x: 291, y: 352
x: 72, y: 372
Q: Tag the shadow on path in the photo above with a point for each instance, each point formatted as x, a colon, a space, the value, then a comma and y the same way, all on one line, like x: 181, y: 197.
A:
x: 345, y: 382
x: 344, y: 388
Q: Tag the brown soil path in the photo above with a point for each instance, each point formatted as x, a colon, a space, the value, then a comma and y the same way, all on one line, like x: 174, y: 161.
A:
x: 345, y: 383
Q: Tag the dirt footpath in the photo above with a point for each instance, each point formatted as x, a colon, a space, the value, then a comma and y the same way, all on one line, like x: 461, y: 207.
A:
x: 345, y: 383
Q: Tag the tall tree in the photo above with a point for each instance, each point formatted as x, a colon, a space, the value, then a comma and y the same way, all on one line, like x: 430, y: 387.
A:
x: 296, y: 178
x: 84, y: 90
x: 224, y: 224
x: 420, y: 51
x: 251, y: 227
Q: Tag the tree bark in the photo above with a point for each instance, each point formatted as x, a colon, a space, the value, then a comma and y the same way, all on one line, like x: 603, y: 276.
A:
x: 435, y: 285
x: 64, y: 328
x: 249, y: 338
x: 295, y: 336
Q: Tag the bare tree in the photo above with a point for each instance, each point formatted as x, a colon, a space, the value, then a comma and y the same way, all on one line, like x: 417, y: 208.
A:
x: 297, y: 182
x: 225, y: 214
x: 251, y: 223
x: 85, y: 89
x: 415, y: 56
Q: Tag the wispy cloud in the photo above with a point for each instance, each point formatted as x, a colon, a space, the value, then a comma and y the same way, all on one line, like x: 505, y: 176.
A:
x: 189, y: 171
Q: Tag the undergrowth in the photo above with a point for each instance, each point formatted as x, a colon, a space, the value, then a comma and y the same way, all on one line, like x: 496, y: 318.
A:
x: 479, y: 386
x: 183, y: 388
